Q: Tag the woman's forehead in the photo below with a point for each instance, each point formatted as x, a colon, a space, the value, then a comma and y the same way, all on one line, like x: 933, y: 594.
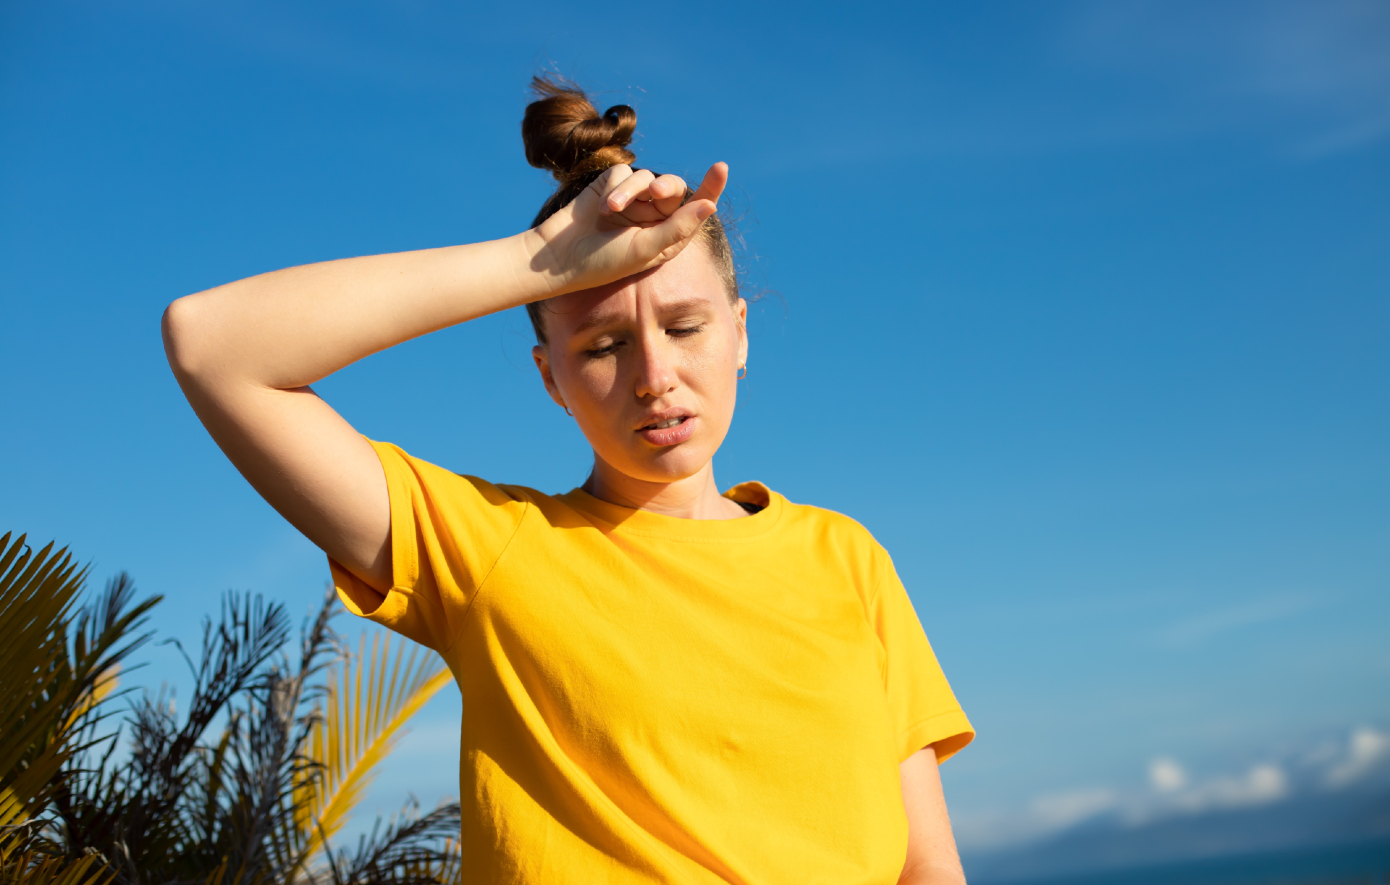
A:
x: 675, y: 287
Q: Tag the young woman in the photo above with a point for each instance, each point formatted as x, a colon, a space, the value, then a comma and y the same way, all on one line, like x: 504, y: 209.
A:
x: 661, y: 683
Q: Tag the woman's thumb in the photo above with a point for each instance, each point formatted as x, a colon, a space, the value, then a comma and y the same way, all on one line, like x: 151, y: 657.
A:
x: 672, y: 234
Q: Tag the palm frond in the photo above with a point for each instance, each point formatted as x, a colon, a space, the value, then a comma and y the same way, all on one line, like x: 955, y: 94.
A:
x: 51, y: 691
x: 136, y: 816
x: 244, y: 804
x: 370, y: 698
x: 32, y: 869
x: 37, y: 591
x: 411, y: 850
x: 299, y: 742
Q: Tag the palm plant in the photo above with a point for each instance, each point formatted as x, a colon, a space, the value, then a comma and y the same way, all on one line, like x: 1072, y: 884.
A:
x: 51, y: 693
x: 250, y: 786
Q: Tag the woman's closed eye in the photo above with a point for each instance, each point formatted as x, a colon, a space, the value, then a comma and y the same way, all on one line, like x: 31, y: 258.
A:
x: 609, y: 346
x: 603, y: 347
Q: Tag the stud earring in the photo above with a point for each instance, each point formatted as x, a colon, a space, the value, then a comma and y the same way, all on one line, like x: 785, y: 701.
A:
x: 742, y: 371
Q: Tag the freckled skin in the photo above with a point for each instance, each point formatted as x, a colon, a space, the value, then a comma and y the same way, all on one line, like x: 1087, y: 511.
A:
x: 664, y: 338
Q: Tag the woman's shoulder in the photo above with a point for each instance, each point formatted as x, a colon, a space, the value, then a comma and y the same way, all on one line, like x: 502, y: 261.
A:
x: 831, y: 527
x: 831, y: 520
x: 444, y: 482
x: 836, y: 543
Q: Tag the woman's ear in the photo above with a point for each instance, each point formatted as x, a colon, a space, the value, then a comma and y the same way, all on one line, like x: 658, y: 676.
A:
x: 741, y: 315
x: 542, y: 358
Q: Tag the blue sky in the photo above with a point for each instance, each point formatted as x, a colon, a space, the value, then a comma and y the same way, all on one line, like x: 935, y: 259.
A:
x: 1080, y: 307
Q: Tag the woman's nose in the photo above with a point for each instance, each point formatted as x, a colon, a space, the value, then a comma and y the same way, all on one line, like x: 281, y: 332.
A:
x: 655, y: 376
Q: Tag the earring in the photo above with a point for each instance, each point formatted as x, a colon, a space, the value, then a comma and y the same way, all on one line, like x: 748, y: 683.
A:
x: 567, y: 410
x: 742, y: 371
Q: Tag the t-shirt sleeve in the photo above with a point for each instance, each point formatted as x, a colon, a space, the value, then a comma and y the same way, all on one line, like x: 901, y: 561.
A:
x: 924, y: 709
x: 447, y: 533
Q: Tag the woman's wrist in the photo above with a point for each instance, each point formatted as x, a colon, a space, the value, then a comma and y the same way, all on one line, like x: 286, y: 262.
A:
x: 540, y: 276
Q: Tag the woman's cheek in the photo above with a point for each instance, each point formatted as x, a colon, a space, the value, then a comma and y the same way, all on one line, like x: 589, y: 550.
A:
x: 597, y: 379
x: 711, y: 371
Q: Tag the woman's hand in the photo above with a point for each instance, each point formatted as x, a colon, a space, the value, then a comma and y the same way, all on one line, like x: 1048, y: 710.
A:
x: 623, y: 223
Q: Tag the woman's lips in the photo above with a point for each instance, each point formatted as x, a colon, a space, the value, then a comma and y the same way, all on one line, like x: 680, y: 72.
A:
x: 670, y: 436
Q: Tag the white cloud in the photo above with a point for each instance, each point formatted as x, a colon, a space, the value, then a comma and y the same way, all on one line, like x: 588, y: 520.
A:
x: 1173, y: 792
x: 1167, y: 776
x: 1261, y: 785
x: 1366, y: 750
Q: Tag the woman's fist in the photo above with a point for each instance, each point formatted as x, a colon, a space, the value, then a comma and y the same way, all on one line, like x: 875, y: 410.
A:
x: 624, y: 222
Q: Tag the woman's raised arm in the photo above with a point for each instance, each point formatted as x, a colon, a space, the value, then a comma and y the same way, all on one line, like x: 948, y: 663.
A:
x: 245, y: 353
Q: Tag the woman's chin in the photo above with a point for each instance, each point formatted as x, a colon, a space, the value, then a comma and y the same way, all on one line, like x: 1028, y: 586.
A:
x: 668, y: 465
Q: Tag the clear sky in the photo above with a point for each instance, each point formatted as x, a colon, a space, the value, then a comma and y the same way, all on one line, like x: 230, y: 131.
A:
x: 1082, y: 308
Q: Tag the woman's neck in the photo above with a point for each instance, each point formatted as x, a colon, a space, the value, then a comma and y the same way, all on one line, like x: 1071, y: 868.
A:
x: 695, y: 497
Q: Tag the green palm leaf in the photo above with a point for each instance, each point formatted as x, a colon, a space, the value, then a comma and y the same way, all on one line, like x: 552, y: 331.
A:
x: 370, y: 697
x: 37, y: 591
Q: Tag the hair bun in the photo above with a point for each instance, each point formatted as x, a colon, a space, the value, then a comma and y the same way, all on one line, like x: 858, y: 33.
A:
x: 563, y: 132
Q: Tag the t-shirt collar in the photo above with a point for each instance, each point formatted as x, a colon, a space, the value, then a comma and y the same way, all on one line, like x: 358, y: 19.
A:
x: 626, y: 520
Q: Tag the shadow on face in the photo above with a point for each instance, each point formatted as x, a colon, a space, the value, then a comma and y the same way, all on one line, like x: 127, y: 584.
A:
x: 648, y: 365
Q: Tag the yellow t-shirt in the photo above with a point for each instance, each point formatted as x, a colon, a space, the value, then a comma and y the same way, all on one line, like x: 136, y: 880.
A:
x: 651, y: 699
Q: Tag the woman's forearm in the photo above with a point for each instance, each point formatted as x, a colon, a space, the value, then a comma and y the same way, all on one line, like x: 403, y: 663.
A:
x: 245, y: 353
x: 941, y: 876
x: 289, y: 328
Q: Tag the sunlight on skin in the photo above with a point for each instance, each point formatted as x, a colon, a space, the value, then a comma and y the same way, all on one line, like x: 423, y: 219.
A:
x: 931, y: 846
x: 662, y: 345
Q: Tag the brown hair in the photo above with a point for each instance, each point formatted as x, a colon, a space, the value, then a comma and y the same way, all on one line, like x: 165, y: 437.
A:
x: 563, y: 132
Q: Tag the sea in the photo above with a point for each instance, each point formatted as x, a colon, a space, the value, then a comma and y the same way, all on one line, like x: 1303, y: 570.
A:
x: 1361, y: 863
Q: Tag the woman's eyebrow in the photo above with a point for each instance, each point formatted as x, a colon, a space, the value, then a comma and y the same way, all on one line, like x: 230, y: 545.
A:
x: 684, y: 305
x: 614, y: 318
x: 610, y: 318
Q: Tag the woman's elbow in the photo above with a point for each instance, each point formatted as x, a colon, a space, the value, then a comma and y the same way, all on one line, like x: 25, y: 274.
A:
x: 184, y: 336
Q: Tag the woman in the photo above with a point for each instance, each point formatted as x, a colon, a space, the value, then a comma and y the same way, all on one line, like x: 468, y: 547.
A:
x: 661, y: 683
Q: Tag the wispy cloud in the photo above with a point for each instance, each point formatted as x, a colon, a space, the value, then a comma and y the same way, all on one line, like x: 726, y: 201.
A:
x: 1317, y: 72
x: 1173, y: 791
x: 1303, y: 80
x: 1057, y: 811
x: 1210, y: 624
